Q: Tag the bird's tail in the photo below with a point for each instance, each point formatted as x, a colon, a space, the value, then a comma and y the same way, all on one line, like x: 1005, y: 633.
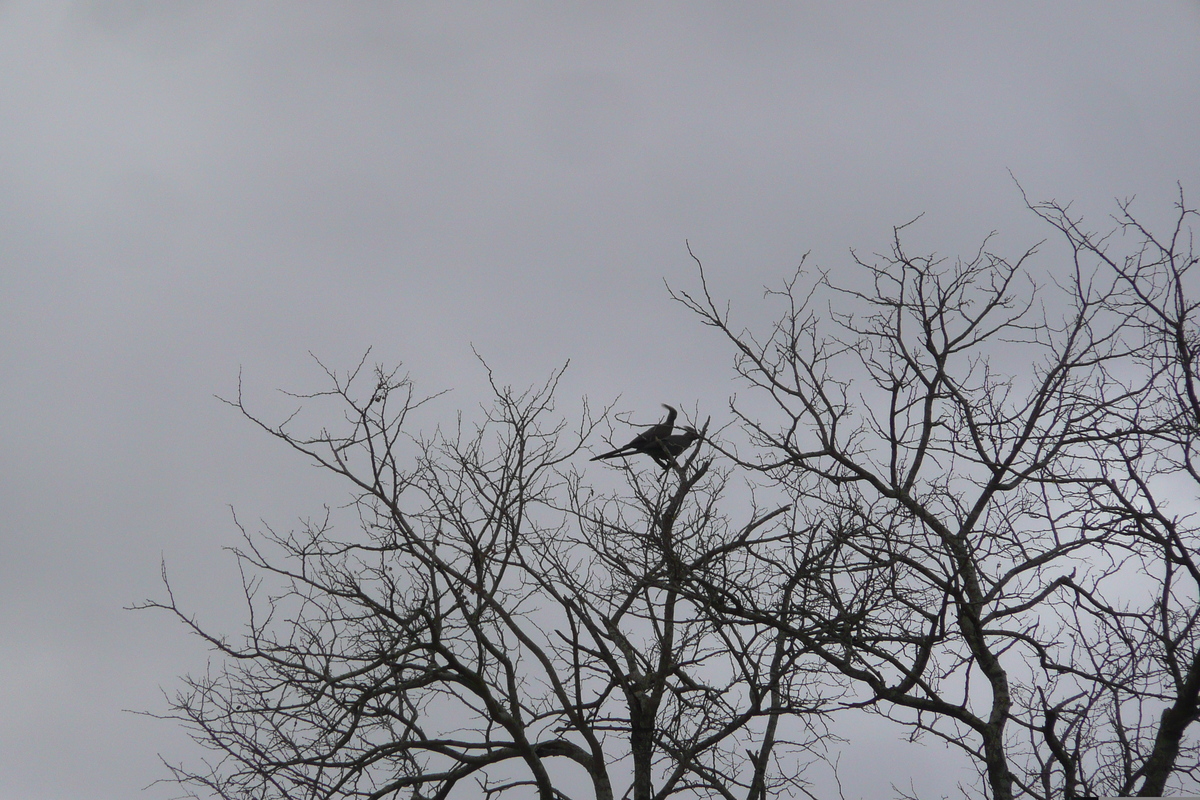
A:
x: 621, y: 451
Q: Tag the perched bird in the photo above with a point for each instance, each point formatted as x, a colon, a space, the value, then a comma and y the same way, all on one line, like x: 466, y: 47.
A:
x: 649, y: 441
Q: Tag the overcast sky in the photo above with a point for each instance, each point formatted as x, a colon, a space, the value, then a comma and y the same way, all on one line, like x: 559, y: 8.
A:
x: 189, y: 188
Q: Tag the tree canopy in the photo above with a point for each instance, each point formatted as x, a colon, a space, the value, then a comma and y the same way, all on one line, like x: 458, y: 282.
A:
x: 954, y: 495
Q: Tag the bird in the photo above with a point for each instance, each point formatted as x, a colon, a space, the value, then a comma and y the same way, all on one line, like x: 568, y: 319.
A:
x: 648, y: 441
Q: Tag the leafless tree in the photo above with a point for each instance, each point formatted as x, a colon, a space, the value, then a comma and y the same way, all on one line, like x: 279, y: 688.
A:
x: 491, y: 626
x: 928, y: 416
x: 970, y: 510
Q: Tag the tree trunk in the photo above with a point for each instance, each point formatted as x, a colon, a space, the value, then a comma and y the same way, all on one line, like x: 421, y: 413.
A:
x: 641, y: 744
x: 1173, y: 723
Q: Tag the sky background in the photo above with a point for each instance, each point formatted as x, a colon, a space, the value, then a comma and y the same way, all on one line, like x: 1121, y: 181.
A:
x: 192, y: 188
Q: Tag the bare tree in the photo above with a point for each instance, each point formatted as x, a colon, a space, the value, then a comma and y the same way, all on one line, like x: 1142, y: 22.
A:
x: 970, y: 511
x: 491, y: 621
x: 928, y: 418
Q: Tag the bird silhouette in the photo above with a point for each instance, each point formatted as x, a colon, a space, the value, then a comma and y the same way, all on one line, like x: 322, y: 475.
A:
x: 649, y: 441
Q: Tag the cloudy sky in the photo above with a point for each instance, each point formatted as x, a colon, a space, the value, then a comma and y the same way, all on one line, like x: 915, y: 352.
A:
x: 189, y: 188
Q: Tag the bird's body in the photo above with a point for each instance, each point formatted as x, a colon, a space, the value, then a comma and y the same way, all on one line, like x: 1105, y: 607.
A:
x: 671, y: 446
x: 649, y: 441
x: 676, y: 443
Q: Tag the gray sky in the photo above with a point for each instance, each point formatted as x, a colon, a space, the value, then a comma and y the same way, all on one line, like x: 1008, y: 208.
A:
x: 190, y: 187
